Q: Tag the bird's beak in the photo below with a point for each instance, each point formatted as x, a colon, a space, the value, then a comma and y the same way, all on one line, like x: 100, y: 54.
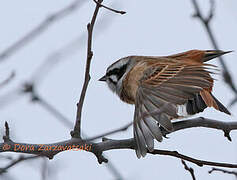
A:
x: 103, y: 78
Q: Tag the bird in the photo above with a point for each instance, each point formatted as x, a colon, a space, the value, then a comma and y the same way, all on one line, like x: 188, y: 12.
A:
x: 163, y: 89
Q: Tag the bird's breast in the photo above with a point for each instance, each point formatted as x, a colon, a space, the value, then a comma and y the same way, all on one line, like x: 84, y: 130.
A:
x: 131, y: 83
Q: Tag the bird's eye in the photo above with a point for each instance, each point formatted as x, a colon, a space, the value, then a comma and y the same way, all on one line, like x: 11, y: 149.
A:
x: 119, y: 72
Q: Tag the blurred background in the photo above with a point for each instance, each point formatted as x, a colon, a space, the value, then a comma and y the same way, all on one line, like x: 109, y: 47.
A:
x: 53, y: 59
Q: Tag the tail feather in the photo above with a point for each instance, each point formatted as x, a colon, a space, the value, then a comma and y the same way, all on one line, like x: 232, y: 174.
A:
x: 195, y: 105
x: 199, y: 56
x: 221, y: 107
x: 211, y: 101
x: 211, y: 54
x: 202, y: 101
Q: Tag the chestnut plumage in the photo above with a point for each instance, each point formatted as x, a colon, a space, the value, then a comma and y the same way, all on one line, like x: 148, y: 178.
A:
x: 163, y: 88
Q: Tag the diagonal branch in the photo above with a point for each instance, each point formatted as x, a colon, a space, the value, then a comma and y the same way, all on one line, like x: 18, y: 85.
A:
x: 189, y: 169
x: 6, y: 81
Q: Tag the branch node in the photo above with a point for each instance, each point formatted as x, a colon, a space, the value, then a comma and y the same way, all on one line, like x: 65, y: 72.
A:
x: 75, y: 134
x: 6, y: 138
x: 88, y: 26
x: 105, y: 139
x: 98, y: 153
x: 90, y: 54
x: 227, y: 134
x: 101, y: 158
x: 195, y: 15
x: 29, y: 87
x: 108, y: 8
x: 50, y: 156
x: 211, y: 12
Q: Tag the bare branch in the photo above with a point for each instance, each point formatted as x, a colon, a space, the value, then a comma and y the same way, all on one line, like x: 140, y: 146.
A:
x: 40, y: 29
x: 114, y: 10
x: 226, y: 127
x: 224, y: 171
x: 77, y: 128
x: 190, y: 159
x: 50, y: 150
x: 189, y: 169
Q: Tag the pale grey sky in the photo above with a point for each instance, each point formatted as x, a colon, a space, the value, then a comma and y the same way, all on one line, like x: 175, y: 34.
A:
x: 151, y: 28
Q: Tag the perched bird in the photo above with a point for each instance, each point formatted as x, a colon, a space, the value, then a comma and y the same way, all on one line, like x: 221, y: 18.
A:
x: 163, y: 88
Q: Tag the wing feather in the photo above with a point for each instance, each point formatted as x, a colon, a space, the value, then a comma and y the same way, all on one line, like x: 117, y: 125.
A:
x: 160, y: 92
x: 158, y: 116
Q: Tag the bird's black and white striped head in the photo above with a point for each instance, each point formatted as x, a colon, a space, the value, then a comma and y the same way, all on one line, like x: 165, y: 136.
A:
x: 115, y: 74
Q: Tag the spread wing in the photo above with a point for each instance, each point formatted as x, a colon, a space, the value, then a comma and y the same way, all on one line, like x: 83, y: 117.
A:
x: 167, y: 92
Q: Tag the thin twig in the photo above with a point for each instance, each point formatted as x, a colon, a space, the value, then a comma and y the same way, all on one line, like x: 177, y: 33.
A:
x: 190, y: 159
x: 123, y: 128
x: 40, y: 28
x: 76, y: 133
x: 113, y: 10
x: 18, y: 160
x: 6, y: 81
x: 189, y: 169
x: 224, y: 171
